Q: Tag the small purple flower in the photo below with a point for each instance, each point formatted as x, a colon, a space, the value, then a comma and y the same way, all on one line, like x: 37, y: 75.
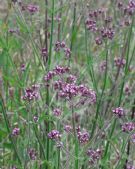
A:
x: 32, y: 8
x: 120, y: 62
x: 57, y: 112
x: 103, y: 65
x: 44, y: 52
x: 127, y: 127
x: 54, y: 135
x: 67, y: 52
x: 61, y: 70
x: 68, y: 128
x: 16, y: 131
x: 98, y: 41
x: 57, y: 46
x: 32, y: 154
x: 62, y: 44
x: 71, y: 79
x: 83, y: 136
x: 94, y: 155
x: 31, y: 93
x: 23, y: 67
x: 130, y: 167
x: 119, y: 111
x: 127, y: 89
x: 14, y: 31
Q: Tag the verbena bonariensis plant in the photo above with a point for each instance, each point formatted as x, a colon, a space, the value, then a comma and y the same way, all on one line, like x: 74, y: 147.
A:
x: 67, y: 85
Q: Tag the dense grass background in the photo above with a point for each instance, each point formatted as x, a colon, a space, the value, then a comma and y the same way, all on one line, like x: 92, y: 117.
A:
x: 105, y: 64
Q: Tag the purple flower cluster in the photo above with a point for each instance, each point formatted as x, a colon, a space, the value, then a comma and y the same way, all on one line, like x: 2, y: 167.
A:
x: 94, y: 155
x: 104, y: 32
x: 127, y: 89
x: 32, y: 154
x: 107, y: 32
x: 119, y: 111
x: 83, y: 136
x: 32, y: 8
x: 70, y: 90
x: 16, y: 131
x: 119, y: 62
x: 54, y: 135
x: 59, y: 70
x: 14, y: 31
x: 130, y: 126
x: 103, y: 65
x: 57, y: 112
x: 44, y: 52
x: 62, y: 45
x: 130, y: 167
x: 68, y: 128
x: 31, y: 93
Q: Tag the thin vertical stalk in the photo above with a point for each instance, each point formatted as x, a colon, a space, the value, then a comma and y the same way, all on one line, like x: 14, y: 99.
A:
x: 51, y: 38
x: 59, y: 23
x: 47, y: 94
x: 75, y: 139
x: 101, y: 96
x: 73, y: 31
x: 46, y: 24
x: 90, y: 67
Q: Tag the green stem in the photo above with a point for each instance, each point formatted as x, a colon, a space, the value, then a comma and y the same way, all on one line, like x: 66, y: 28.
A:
x: 47, y: 94
x: 101, y: 96
x: 75, y: 139
x: 51, y: 38
x: 73, y: 31
x: 8, y: 128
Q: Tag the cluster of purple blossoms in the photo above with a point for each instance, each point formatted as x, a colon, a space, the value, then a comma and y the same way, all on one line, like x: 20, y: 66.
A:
x: 54, y: 135
x: 127, y: 89
x: 70, y: 90
x: 31, y: 93
x: 62, y: 45
x: 68, y: 128
x: 130, y: 167
x: 59, y: 70
x: 71, y: 79
x: 119, y: 62
x: 103, y: 66
x: 14, y: 31
x: 129, y: 9
x: 57, y: 112
x: 32, y: 8
x: 106, y: 32
x: 127, y: 127
x: 94, y: 155
x: 15, y: 131
x: 32, y: 154
x: 119, y: 111
x: 44, y: 52
x: 83, y: 136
